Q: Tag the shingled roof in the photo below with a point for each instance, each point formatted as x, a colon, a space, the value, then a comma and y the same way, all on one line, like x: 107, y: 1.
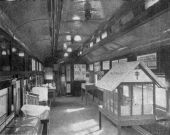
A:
x: 125, y: 72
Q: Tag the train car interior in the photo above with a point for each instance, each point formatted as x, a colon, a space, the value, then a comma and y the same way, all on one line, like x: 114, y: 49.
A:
x: 85, y: 67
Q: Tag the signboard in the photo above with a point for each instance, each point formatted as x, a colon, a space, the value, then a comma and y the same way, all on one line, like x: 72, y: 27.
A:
x: 91, y: 67
x: 68, y: 88
x: 97, y: 66
x: 150, y: 60
x: 40, y: 67
x: 122, y: 60
x: 79, y: 71
x: 106, y: 65
x: 37, y: 66
x: 68, y: 73
x: 56, y: 67
x: 33, y: 65
x: 48, y: 73
x: 114, y: 62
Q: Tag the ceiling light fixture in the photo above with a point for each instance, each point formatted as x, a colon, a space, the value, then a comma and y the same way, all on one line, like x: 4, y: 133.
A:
x: 98, y: 39
x: 77, y: 38
x: 69, y: 49
x: 14, y: 49
x: 21, y: 54
x: 68, y: 37
x: 65, y: 54
x: 80, y: 52
x: 65, y: 46
x: 91, y: 44
x: 76, y: 18
x: 104, y: 35
x: 4, y: 52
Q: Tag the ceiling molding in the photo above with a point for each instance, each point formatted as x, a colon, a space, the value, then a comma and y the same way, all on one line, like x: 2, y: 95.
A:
x: 30, y: 21
x: 73, y: 34
x: 83, y: 21
x: 41, y: 40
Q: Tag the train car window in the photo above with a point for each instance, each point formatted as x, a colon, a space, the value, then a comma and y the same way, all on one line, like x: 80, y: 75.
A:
x: 138, y: 7
x: 33, y: 65
x: 18, y: 61
x: 3, y: 102
x: 4, y: 56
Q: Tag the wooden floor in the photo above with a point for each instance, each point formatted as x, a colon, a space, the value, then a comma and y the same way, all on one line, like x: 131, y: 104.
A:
x: 70, y: 116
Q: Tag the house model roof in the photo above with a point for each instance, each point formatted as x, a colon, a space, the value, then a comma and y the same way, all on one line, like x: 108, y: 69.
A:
x: 127, y: 72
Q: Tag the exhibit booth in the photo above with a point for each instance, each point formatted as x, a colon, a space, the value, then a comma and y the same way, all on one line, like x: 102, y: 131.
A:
x: 129, y: 94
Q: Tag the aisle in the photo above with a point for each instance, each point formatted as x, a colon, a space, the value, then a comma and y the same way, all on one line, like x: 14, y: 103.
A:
x: 71, y: 116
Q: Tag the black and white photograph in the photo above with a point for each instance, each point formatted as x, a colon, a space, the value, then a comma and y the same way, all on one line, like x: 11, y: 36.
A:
x: 84, y: 67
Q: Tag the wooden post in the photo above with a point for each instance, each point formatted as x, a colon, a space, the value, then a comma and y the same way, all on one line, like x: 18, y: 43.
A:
x: 93, y: 94
x: 142, y: 101
x: 154, y: 102
x: 131, y: 100
x: 45, y: 126
x: 100, y: 121
x: 118, y: 130
x: 86, y: 95
x: 81, y: 93
x: 167, y: 100
x: 119, y: 102
x: 119, y: 109
x: 10, y: 56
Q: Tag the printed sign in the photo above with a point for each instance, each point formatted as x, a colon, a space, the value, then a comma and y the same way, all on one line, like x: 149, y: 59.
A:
x: 33, y: 65
x: 150, y: 60
x: 106, y: 65
x: 91, y: 67
x: 114, y: 62
x: 79, y: 72
x: 68, y: 73
x: 97, y: 66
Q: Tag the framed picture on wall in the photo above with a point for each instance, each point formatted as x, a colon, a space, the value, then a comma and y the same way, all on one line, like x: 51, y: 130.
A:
x: 37, y: 66
x: 33, y: 64
x: 114, y: 62
x: 68, y: 72
x: 97, y: 66
x: 91, y: 67
x: 56, y: 67
x: 122, y: 60
x: 106, y: 65
x: 68, y: 88
x: 79, y: 71
x: 149, y: 60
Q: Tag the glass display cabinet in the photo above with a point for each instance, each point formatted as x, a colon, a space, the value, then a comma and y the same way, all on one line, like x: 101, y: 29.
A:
x: 128, y: 94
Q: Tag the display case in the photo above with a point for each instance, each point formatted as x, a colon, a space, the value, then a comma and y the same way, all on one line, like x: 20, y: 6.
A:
x: 129, y: 94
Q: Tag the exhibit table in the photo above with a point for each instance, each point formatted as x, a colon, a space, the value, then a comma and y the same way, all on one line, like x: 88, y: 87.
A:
x: 129, y: 95
x: 88, y: 88
x: 52, y: 90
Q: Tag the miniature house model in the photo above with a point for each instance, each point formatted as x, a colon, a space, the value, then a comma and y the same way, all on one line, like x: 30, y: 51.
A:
x: 129, y: 94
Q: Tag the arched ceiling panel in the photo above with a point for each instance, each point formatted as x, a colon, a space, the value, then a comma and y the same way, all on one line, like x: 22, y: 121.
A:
x: 31, y: 23
x: 100, y: 10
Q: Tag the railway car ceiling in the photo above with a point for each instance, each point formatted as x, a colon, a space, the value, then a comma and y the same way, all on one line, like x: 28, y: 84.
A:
x: 83, y: 18
x: 92, y: 27
x: 28, y: 20
x: 130, y: 30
